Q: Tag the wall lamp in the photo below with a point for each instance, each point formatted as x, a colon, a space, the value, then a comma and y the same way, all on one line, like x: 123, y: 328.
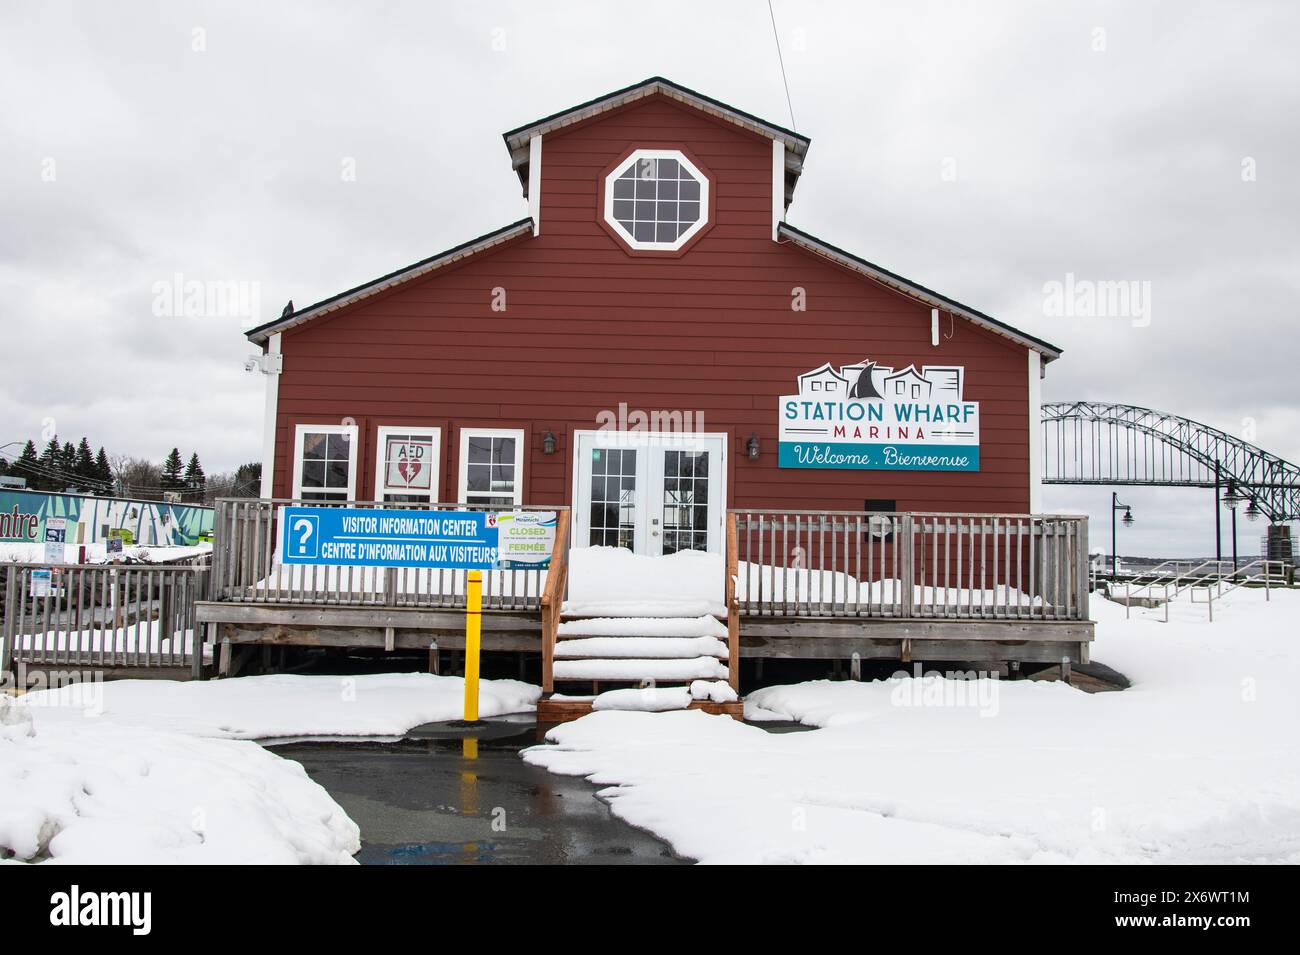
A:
x: 751, y: 447
x: 548, y: 442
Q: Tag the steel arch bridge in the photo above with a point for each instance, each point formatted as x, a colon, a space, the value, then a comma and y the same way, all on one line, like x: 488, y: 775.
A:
x: 1093, y: 442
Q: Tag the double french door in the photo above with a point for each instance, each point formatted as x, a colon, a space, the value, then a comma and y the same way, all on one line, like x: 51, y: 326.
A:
x: 650, y: 493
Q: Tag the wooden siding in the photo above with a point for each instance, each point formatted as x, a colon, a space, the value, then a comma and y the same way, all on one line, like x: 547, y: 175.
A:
x: 589, y: 325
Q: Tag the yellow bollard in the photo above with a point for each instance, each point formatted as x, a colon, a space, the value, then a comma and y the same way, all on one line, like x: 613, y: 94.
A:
x: 473, y: 621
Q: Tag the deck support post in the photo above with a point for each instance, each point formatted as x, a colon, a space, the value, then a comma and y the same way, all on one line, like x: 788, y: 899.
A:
x: 433, y: 657
x: 223, y: 667
x: 1065, y: 670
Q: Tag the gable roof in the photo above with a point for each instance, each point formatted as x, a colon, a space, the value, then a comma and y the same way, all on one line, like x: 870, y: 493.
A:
x: 796, y: 144
x: 852, y: 262
x: 414, y: 271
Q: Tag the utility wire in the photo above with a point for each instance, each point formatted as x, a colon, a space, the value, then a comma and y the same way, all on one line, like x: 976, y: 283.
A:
x: 780, y: 59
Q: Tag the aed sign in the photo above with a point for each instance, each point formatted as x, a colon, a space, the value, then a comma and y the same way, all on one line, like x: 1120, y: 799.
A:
x: 410, y: 464
x: 388, y: 537
x: 871, y: 417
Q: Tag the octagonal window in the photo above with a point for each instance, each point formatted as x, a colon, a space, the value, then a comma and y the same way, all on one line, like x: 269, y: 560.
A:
x: 656, y: 199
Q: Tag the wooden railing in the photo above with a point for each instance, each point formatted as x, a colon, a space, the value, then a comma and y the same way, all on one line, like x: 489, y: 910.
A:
x: 909, y: 565
x: 553, y: 599
x: 247, y: 569
x: 733, y: 604
x: 102, y: 615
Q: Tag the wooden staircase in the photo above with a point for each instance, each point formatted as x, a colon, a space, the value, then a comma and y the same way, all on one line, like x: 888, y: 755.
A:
x: 612, y: 647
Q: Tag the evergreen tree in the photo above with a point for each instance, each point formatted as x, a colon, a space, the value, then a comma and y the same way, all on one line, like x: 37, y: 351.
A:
x: 27, y: 465
x: 194, y: 478
x: 85, y: 469
x: 48, y: 464
x: 68, y: 464
x: 103, y: 470
x: 173, y: 472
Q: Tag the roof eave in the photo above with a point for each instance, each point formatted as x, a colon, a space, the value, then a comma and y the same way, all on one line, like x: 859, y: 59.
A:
x: 514, y: 230
x: 517, y: 140
x: 935, y: 300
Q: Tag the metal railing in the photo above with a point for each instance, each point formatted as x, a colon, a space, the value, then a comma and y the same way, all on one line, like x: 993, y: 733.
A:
x: 1216, y: 577
x: 912, y: 565
x: 247, y: 569
x: 101, y: 615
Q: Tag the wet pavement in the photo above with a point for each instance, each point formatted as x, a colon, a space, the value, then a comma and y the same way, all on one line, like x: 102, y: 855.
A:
x: 423, y: 801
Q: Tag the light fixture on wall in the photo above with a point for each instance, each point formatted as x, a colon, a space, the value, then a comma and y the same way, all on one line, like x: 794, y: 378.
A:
x: 751, y: 447
x: 548, y: 442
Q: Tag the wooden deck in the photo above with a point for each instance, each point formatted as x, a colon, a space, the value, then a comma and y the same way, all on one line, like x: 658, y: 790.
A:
x: 962, y: 588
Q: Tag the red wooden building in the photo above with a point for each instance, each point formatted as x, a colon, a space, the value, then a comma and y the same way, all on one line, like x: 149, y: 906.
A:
x: 509, y: 360
x: 657, y: 351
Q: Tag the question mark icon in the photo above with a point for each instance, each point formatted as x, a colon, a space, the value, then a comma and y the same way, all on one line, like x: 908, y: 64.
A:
x: 304, y: 528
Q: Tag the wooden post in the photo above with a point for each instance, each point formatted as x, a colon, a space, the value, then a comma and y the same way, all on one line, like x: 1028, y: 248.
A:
x: 733, y: 606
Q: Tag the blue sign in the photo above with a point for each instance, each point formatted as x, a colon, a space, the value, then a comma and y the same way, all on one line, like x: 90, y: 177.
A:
x: 378, y: 537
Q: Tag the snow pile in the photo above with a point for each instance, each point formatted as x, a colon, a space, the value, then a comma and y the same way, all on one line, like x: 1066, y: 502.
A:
x: 1196, y: 763
x: 660, y: 671
x: 718, y: 691
x: 647, y: 699
x: 262, y: 707
x: 97, y: 553
x: 89, y: 791
x: 614, y: 582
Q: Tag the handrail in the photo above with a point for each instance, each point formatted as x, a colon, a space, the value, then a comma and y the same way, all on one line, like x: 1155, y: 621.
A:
x: 733, y: 605
x: 553, y: 598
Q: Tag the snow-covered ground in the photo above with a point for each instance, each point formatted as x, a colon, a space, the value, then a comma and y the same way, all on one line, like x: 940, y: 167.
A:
x: 266, y: 707
x: 1197, y: 762
x: 161, y: 771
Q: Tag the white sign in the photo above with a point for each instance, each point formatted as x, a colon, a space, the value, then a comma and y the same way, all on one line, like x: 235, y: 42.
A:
x: 525, y: 539
x: 40, y: 583
x: 410, y: 464
x: 872, y: 417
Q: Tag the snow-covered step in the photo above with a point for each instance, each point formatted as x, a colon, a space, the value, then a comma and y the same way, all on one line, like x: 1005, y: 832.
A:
x: 650, y: 699
x: 661, y: 671
x: 652, y: 648
x: 702, y: 625
x: 656, y: 607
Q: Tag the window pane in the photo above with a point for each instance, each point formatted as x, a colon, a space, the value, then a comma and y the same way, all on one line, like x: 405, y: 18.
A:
x: 480, y: 450
x: 336, y: 474
x: 505, y: 450
x: 338, y: 445
x: 477, y: 478
x: 313, y: 446
x: 313, y: 474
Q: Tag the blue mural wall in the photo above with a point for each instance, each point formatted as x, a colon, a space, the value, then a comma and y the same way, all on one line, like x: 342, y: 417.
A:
x: 94, y: 519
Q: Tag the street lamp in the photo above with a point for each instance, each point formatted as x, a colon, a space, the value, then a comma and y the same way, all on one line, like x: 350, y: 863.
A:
x: 1115, y: 507
x: 1231, y: 498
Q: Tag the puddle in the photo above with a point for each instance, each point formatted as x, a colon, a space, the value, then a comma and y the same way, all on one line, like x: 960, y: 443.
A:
x: 422, y: 800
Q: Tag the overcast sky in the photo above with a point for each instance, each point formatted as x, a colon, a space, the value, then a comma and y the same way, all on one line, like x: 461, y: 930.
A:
x: 983, y: 150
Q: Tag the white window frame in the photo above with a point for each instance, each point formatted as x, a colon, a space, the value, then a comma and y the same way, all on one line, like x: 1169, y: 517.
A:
x: 636, y: 156
x: 381, y: 451
x: 299, y: 433
x: 462, y: 483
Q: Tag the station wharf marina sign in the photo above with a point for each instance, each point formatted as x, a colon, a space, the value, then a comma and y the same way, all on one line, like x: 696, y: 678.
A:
x: 871, y: 417
x: 378, y: 537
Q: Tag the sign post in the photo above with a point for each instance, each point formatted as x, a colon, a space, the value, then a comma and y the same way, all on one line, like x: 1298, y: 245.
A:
x: 473, y: 624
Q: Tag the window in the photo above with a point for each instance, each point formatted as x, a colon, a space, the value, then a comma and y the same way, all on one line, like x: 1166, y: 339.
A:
x: 656, y: 199
x: 492, y: 466
x: 325, y: 462
x: 613, y: 497
x: 406, y: 464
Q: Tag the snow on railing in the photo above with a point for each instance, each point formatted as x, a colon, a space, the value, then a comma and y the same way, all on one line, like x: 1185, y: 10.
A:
x: 912, y: 565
